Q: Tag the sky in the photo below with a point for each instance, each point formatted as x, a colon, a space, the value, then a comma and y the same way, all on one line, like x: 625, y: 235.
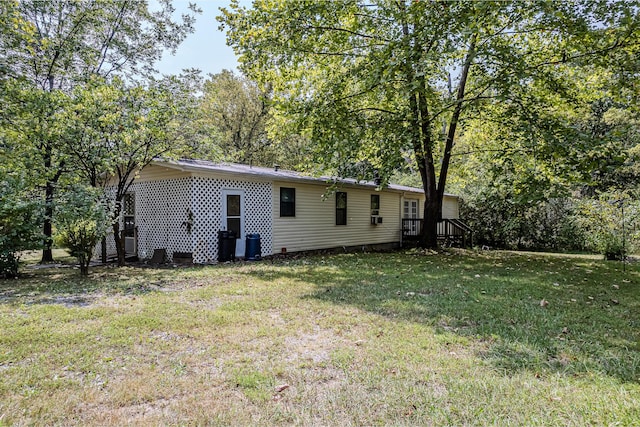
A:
x: 205, y: 48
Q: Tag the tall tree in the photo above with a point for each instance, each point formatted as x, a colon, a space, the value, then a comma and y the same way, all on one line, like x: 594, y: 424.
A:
x: 375, y: 80
x: 119, y: 129
x: 67, y: 42
x: 234, y: 109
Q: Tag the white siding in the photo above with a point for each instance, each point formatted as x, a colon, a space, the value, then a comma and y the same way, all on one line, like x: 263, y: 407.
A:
x: 450, y: 207
x: 160, y: 173
x: 314, y: 227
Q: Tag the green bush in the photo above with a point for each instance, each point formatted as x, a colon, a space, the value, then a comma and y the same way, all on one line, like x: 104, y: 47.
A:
x: 20, y: 220
x: 502, y: 223
x: 82, y: 219
x: 606, y: 228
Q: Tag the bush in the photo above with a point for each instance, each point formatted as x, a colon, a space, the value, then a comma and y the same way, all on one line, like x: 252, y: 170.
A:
x: 82, y: 217
x: 502, y: 223
x: 20, y: 220
x: 606, y: 228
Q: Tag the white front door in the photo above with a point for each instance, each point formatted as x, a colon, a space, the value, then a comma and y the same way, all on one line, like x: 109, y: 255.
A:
x: 233, y: 216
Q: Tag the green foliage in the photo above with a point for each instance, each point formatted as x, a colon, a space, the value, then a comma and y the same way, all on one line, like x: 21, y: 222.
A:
x: 119, y: 128
x: 83, y: 219
x: 525, y: 172
x: 610, y: 222
x: 20, y: 215
x: 230, y: 124
x: 48, y: 48
x: 233, y: 111
x: 500, y: 223
x: 381, y: 82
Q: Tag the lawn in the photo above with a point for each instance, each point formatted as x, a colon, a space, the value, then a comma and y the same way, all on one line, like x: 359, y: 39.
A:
x: 405, y: 338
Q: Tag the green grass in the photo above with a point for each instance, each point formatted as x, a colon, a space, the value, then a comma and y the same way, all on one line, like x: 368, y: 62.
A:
x: 406, y: 338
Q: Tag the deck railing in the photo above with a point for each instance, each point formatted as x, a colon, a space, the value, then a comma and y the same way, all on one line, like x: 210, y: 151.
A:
x: 450, y: 232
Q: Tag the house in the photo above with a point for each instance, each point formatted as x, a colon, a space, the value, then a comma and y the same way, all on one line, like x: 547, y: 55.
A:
x: 182, y: 205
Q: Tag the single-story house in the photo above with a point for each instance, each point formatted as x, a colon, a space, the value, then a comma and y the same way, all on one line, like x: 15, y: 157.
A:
x: 182, y: 205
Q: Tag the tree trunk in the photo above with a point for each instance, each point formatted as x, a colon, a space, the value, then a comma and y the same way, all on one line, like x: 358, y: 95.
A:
x: 84, y: 267
x: 47, y: 228
x: 432, y: 214
x: 117, y: 237
x: 434, y: 193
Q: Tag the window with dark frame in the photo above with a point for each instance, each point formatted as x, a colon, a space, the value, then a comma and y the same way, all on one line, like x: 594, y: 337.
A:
x: 287, y: 201
x: 375, y: 204
x: 341, y: 208
x: 128, y: 209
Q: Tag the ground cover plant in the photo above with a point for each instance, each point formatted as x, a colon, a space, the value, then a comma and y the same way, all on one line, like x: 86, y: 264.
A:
x: 406, y: 338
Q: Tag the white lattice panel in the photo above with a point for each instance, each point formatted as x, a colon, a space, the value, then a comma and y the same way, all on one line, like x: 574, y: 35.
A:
x: 162, y: 211
x: 207, y: 209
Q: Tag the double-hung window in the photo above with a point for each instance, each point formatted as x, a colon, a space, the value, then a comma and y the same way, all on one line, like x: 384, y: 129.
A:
x: 287, y: 201
x: 341, y: 208
x: 375, y: 204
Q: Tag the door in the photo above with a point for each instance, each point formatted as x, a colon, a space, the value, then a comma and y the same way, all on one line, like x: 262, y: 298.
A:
x: 411, y: 212
x: 129, y: 230
x: 233, y: 216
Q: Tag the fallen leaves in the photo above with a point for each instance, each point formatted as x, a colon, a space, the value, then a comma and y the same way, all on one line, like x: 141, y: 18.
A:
x: 282, y: 387
x: 278, y: 392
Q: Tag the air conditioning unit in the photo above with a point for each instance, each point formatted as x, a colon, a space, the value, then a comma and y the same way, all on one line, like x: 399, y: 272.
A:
x: 376, y: 219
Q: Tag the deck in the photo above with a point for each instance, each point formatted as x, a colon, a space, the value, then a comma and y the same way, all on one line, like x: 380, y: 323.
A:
x: 451, y: 232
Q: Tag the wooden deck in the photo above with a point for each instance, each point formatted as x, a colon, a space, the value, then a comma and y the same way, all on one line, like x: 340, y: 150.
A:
x: 451, y: 232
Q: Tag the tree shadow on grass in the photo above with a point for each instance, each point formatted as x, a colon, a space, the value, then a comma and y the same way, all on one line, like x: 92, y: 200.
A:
x: 541, y: 314
x: 64, y: 285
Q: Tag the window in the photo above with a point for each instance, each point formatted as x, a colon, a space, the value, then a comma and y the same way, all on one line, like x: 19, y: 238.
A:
x: 129, y: 209
x: 375, y: 204
x: 234, y: 214
x: 341, y: 208
x: 287, y: 201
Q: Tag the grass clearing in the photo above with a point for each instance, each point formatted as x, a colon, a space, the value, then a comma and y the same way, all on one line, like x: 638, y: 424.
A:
x: 404, y: 338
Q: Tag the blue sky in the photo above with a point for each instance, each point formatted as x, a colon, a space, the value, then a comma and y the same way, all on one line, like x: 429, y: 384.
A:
x: 204, y: 49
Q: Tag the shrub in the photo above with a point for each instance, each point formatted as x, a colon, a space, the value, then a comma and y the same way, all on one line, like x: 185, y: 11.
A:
x: 606, y: 227
x: 82, y: 218
x: 20, y: 219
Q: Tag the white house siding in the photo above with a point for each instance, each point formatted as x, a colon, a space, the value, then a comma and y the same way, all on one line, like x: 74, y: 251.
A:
x: 207, y: 211
x: 450, y: 207
x: 314, y: 227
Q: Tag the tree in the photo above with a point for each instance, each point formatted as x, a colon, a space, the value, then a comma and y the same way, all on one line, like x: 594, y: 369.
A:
x: 19, y: 215
x: 83, y: 220
x: 610, y: 221
x: 63, y: 44
x: 376, y: 81
x: 120, y: 129
x: 234, y: 110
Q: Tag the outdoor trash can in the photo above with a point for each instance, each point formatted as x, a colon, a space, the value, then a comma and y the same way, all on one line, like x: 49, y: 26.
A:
x: 226, y: 246
x: 253, y: 251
